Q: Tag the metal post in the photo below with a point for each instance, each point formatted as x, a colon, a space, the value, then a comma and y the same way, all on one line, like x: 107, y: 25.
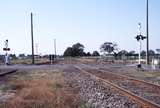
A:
x: 147, y: 35
x: 140, y: 44
x: 7, y: 60
x: 32, y: 41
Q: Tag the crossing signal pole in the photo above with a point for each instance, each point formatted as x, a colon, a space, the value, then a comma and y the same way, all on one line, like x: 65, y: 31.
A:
x: 7, y: 60
x: 32, y: 39
x: 139, y: 38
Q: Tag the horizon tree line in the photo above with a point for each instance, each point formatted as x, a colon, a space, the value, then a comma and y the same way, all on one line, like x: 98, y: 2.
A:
x: 107, y: 48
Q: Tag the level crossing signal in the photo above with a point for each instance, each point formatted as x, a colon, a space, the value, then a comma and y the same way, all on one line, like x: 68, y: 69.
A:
x: 140, y: 37
x: 6, y: 46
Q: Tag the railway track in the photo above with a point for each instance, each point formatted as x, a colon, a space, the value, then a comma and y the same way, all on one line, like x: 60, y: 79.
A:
x: 8, y: 72
x: 109, y: 71
x: 155, y: 86
x: 116, y: 81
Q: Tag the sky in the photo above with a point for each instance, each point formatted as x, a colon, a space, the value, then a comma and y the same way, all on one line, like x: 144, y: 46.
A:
x: 89, y: 22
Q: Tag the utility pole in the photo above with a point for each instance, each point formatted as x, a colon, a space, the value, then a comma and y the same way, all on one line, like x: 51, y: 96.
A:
x: 37, y: 51
x: 147, y: 35
x: 32, y: 39
x: 55, y: 49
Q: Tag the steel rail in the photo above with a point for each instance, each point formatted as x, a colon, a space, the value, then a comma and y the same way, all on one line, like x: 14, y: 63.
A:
x: 127, y: 77
x: 9, y: 72
x: 140, y: 100
x: 134, y: 79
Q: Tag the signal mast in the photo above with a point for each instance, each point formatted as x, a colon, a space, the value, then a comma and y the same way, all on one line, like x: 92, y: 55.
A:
x: 139, y: 38
x: 7, y: 61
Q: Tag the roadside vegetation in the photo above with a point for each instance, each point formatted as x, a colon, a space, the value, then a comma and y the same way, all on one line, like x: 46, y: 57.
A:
x: 40, y: 89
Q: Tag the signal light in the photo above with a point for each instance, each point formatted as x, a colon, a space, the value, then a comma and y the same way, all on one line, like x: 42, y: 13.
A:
x: 6, y: 49
x: 143, y: 37
x: 138, y: 37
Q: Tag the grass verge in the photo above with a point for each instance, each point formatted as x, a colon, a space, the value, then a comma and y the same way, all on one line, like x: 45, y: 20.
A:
x: 44, y: 89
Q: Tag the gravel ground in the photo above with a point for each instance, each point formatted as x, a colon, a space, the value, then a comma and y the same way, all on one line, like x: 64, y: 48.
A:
x: 142, y: 90
x: 152, y: 76
x: 94, y: 94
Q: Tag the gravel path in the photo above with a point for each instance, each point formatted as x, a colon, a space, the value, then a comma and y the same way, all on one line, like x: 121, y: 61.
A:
x: 94, y: 94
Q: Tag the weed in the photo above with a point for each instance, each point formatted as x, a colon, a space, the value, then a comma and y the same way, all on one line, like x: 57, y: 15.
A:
x: 40, y: 92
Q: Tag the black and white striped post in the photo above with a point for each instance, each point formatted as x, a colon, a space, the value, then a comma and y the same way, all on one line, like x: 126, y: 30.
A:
x: 7, y: 60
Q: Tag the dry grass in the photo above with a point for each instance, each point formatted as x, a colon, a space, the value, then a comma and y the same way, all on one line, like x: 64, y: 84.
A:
x: 152, y: 74
x: 23, y: 61
x: 29, y: 61
x: 41, y: 92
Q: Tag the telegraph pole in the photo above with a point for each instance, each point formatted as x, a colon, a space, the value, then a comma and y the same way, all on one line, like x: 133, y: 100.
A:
x: 32, y: 40
x: 36, y: 48
x: 147, y: 35
x: 55, y: 48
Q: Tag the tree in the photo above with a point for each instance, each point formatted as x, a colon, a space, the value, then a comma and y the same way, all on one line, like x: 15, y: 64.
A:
x: 143, y: 53
x: 108, y: 47
x: 122, y: 52
x: 76, y: 50
x: 22, y: 55
x: 2, y: 58
x: 78, y: 46
x: 131, y: 53
x: 88, y: 54
x: 68, y: 52
x: 151, y: 52
x: 84, y: 54
x: 95, y: 53
x: 158, y: 51
x: 13, y: 56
